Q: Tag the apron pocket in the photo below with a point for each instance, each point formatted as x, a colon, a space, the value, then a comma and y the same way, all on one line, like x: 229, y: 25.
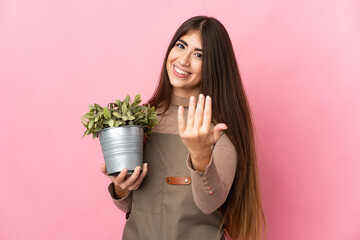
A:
x: 148, y: 197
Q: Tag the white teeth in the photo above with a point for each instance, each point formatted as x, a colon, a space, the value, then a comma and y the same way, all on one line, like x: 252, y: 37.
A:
x: 181, y: 71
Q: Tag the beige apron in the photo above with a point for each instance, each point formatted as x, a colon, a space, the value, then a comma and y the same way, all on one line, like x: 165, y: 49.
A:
x: 163, y: 211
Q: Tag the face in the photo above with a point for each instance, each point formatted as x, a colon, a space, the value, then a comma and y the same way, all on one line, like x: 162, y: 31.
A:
x: 184, y: 65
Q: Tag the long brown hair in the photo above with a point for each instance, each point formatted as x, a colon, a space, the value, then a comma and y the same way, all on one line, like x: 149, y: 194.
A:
x: 243, y: 216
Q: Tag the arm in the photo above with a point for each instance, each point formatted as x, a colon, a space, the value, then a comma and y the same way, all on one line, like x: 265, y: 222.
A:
x: 124, y: 203
x: 122, y: 186
x: 211, y: 187
x: 212, y: 171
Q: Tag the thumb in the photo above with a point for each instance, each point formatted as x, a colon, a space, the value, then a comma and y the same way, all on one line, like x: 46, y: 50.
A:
x: 103, y: 169
x: 217, y: 131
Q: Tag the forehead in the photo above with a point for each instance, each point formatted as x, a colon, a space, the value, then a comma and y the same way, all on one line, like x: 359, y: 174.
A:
x: 192, y: 38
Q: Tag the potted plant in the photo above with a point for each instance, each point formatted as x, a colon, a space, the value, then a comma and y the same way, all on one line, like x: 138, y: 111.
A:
x: 122, y: 128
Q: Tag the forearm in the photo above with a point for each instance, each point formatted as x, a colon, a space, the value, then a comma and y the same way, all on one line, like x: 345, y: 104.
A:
x: 207, y: 187
x: 124, y: 204
x: 211, y: 184
x: 199, y: 162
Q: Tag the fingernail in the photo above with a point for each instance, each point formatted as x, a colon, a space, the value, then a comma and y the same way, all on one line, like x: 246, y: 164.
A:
x: 201, y: 96
x: 145, y: 165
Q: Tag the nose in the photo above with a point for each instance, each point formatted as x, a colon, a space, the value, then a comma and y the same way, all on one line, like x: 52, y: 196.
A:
x: 184, y: 59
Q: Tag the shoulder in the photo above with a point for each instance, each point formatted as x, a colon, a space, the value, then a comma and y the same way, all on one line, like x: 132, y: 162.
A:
x: 225, y: 141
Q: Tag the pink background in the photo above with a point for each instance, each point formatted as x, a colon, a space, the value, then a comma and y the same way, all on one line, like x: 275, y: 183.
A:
x: 299, y: 62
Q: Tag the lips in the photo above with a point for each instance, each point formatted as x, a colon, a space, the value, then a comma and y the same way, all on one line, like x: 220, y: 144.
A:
x: 180, y: 72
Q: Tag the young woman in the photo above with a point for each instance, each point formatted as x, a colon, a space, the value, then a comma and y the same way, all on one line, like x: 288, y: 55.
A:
x: 199, y: 178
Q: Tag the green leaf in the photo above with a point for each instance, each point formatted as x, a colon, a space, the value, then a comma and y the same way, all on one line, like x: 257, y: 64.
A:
x: 107, y: 113
x: 118, y: 103
x: 124, y: 108
x: 127, y: 99
x: 91, y: 123
x: 98, y: 107
x: 117, y: 123
x: 97, y: 129
x: 151, y: 124
x: 89, y: 115
x: 137, y: 100
x: 139, y: 115
x: 111, y: 123
x: 116, y: 114
x: 91, y: 106
x: 131, y: 109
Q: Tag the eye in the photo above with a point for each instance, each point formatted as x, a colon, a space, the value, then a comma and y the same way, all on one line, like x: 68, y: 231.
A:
x: 199, y: 55
x: 179, y: 45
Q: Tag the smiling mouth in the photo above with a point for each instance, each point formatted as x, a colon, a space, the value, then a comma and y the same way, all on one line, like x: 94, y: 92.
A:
x: 182, y: 72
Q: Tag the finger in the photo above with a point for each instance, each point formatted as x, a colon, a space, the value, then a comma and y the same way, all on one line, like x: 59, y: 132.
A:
x: 120, y: 178
x: 130, y: 181
x: 137, y: 183
x: 207, y: 114
x: 191, y: 112
x: 181, y: 121
x: 218, y: 130
x: 199, y: 112
x: 103, y: 169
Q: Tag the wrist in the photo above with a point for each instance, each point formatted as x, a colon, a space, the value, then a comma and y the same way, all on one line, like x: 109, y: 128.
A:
x: 120, y: 193
x: 201, y: 157
x: 200, y: 162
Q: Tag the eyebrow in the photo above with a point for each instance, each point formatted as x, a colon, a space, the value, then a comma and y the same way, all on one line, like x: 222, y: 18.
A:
x: 185, y: 43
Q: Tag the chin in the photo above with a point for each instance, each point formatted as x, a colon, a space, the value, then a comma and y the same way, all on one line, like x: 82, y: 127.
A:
x: 177, y: 83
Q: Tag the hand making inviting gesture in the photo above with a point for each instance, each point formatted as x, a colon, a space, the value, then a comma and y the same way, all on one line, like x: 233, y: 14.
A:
x: 197, y: 134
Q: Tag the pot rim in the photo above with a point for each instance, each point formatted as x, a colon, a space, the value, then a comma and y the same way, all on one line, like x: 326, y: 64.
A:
x: 109, y: 128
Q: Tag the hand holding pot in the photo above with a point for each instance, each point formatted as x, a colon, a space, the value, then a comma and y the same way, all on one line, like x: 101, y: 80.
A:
x: 124, y: 183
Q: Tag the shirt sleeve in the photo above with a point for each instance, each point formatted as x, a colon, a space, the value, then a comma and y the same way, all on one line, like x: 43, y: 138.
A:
x: 124, y: 204
x: 211, y: 188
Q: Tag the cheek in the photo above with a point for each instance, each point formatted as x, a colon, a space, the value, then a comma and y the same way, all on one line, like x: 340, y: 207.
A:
x: 199, y: 73
x: 172, y: 55
x: 199, y: 68
x: 169, y: 61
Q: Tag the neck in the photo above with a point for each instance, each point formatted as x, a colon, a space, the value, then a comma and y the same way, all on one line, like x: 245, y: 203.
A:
x: 180, y: 101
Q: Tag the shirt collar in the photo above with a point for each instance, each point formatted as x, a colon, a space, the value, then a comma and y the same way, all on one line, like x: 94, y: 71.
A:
x: 180, y: 101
